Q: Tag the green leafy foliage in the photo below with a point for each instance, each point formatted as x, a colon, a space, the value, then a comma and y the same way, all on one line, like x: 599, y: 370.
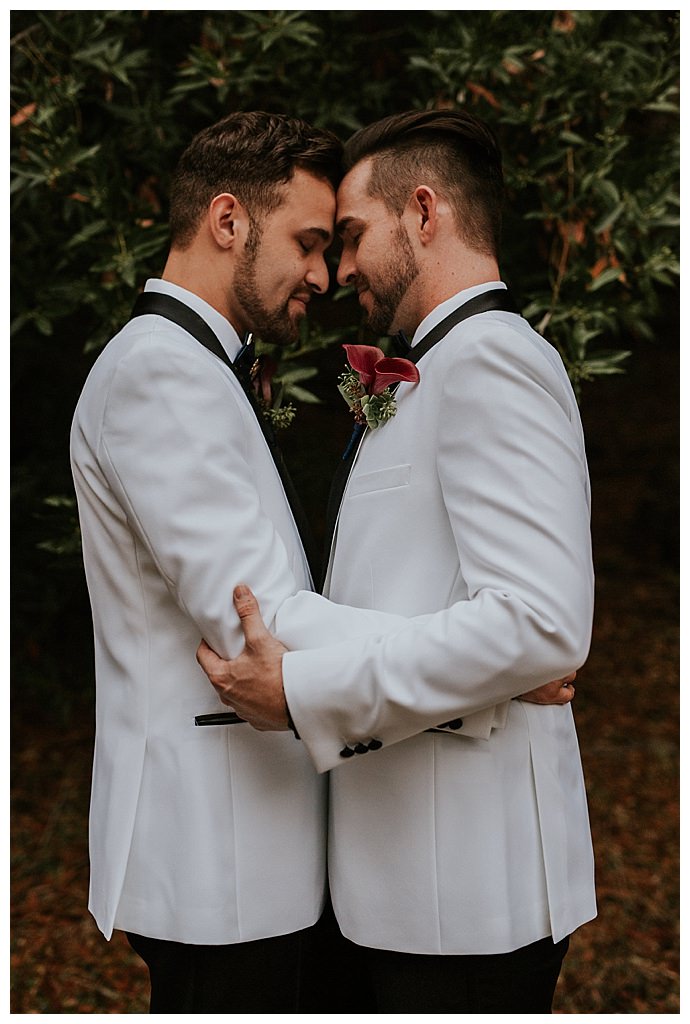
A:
x: 102, y: 102
x: 585, y: 103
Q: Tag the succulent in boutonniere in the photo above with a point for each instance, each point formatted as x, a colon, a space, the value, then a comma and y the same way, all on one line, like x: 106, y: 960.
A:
x: 366, y: 384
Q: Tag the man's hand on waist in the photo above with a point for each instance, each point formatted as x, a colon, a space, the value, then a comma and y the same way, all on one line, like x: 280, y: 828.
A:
x: 252, y: 683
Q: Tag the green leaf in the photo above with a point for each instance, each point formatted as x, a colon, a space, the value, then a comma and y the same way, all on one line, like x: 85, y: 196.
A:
x: 609, y: 219
x: 88, y: 232
x: 663, y: 107
x: 606, y: 277
x: 572, y: 138
x: 297, y: 373
x: 606, y: 189
x: 605, y: 365
x: 301, y: 394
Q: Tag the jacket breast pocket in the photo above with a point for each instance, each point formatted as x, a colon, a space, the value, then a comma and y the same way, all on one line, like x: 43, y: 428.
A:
x: 380, y: 480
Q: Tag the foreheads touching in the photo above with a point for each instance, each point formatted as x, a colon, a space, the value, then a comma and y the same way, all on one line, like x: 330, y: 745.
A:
x: 448, y: 150
x: 253, y: 156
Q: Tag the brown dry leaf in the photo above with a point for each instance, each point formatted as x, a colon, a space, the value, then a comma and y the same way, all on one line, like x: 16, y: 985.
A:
x: 23, y: 115
x: 564, y: 22
x: 480, y: 90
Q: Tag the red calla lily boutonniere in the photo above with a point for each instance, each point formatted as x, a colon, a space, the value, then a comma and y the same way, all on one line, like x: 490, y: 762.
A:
x: 365, y: 385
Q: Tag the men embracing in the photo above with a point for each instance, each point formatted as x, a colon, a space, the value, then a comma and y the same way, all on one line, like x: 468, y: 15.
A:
x: 459, y: 579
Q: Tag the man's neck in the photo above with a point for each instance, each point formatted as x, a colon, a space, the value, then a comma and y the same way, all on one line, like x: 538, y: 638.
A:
x: 191, y: 270
x: 442, y: 281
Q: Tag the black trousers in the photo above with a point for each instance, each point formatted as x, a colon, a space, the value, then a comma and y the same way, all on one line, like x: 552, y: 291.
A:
x: 381, y: 981
x: 319, y: 971
x: 523, y: 981
x: 251, y: 977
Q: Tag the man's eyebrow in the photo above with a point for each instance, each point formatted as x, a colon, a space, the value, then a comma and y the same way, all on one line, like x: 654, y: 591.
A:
x: 343, y: 224
x: 320, y: 232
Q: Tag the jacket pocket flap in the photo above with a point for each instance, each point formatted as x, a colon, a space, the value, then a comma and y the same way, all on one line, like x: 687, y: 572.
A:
x: 380, y: 480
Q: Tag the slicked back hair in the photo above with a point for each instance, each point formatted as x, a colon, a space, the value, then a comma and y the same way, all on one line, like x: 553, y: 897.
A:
x: 250, y: 155
x: 452, y: 151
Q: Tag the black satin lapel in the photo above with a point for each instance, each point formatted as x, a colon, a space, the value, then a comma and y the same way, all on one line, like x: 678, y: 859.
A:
x: 186, y: 318
x: 497, y: 298
x: 336, y: 494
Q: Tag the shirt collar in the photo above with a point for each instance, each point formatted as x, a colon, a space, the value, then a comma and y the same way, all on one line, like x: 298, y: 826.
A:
x: 446, y: 307
x: 222, y: 328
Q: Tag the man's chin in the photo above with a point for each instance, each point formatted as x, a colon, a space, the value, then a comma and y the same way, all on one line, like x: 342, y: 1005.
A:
x: 283, y: 330
x: 292, y: 332
x: 378, y: 324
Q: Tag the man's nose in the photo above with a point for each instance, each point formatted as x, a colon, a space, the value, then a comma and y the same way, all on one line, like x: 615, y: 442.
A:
x: 317, y: 276
x: 346, y: 270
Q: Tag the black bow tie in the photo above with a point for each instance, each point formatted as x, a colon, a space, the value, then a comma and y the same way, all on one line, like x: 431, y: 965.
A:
x: 400, y: 344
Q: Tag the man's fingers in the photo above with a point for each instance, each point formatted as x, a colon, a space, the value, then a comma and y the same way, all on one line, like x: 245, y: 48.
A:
x: 251, y: 684
x: 245, y: 602
x: 247, y: 607
x: 207, y: 658
x: 560, y: 691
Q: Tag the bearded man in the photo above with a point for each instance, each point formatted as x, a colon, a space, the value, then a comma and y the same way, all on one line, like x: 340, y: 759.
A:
x: 207, y: 846
x: 460, y: 857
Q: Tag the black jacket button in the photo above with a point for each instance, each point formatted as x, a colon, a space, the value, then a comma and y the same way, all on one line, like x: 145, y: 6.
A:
x: 455, y: 723
x: 375, y: 744
x: 361, y: 749
x: 347, y: 752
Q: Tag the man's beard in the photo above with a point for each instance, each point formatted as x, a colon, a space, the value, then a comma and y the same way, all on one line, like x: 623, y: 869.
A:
x: 391, y: 285
x: 273, y: 326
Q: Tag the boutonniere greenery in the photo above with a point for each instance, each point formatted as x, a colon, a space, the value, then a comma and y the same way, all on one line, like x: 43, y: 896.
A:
x: 366, y: 384
x: 269, y: 389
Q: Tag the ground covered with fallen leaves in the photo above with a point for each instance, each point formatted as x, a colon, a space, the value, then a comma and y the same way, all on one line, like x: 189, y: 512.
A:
x: 626, y: 961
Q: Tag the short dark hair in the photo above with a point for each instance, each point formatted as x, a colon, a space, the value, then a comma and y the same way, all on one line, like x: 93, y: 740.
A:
x: 452, y: 149
x: 249, y: 154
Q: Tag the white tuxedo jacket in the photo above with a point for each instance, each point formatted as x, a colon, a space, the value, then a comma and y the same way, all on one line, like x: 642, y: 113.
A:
x: 201, y: 835
x: 469, y: 511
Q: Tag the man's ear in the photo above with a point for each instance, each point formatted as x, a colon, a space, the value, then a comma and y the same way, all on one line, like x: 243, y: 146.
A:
x: 423, y: 210
x: 227, y: 220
